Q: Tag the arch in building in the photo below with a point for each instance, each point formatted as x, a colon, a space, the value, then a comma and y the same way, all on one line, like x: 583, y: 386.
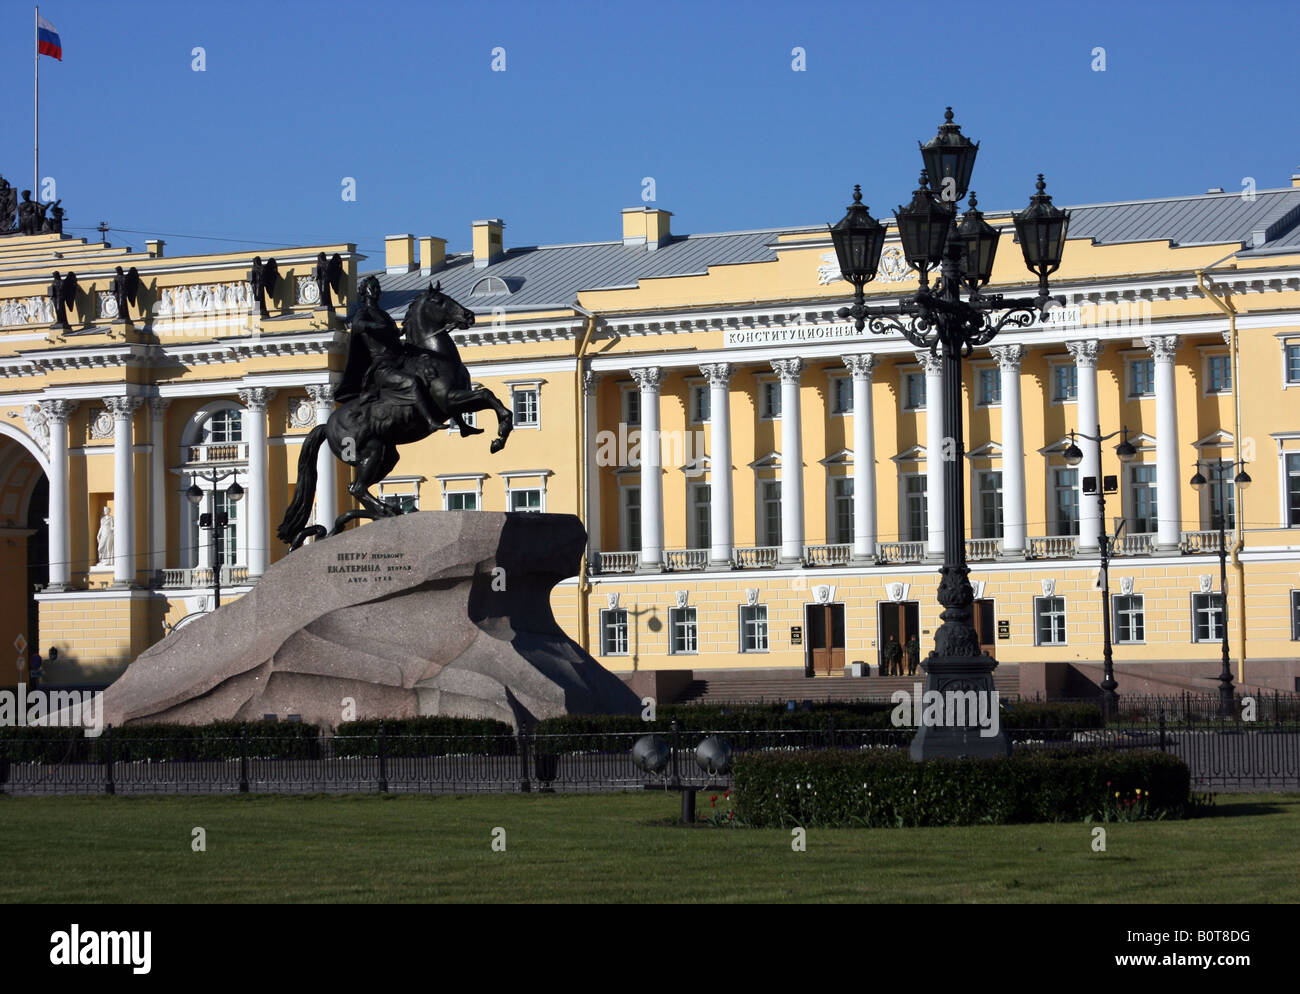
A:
x: 24, y: 542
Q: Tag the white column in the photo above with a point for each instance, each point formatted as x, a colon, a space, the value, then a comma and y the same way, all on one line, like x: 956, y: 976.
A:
x: 652, y: 484
x: 1086, y: 354
x: 791, y: 460
x: 591, y: 421
x: 935, y: 451
x: 255, y: 400
x: 158, y: 483
x: 123, y: 411
x: 864, y: 457
x: 721, y: 510
x: 1014, y: 511
x: 1169, y: 503
x: 327, y: 484
x: 56, y: 419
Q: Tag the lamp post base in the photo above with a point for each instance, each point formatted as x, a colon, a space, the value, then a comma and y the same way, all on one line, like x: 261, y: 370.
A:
x: 959, y: 711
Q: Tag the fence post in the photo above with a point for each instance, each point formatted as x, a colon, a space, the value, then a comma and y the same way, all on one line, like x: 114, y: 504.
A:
x: 1162, y: 728
x: 109, y: 786
x: 525, y: 786
x: 831, y: 725
x: 383, y: 762
x: 243, y: 758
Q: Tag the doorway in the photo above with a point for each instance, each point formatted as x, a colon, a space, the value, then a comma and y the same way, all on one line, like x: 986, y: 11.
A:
x: 985, y: 627
x: 902, y: 620
x: 824, y: 655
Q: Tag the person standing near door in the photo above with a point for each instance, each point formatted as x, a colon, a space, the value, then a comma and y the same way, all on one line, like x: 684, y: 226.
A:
x: 913, y: 655
x: 893, y: 658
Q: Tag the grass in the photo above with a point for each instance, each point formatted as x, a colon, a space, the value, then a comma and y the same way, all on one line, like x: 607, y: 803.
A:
x: 612, y: 848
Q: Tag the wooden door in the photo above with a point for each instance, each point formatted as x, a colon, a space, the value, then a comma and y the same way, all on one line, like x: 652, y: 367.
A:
x: 902, y: 620
x: 985, y: 626
x: 824, y: 625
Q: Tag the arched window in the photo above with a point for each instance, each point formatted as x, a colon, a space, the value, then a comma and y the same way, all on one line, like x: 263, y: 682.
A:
x: 214, y: 442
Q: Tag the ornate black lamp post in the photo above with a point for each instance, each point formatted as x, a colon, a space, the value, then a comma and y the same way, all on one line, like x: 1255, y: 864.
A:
x: 1101, y: 487
x: 1242, y: 480
x: 940, y: 320
x: 214, y: 520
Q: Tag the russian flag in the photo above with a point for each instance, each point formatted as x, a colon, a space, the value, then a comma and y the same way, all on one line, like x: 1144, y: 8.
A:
x: 47, y: 39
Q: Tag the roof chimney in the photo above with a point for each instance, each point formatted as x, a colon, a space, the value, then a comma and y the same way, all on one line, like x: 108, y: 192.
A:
x: 1215, y: 189
x: 433, y: 253
x: 399, y: 254
x: 489, y: 243
x: 154, y: 247
x: 646, y: 226
x: 1295, y: 178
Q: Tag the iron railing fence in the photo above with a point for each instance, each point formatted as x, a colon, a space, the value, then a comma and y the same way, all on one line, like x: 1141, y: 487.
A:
x: 1241, y: 757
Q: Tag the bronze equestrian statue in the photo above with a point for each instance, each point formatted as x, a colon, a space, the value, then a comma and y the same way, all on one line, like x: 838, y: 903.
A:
x: 393, y: 392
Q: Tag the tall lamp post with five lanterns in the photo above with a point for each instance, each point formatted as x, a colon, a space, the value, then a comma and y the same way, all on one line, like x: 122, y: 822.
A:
x: 939, y: 319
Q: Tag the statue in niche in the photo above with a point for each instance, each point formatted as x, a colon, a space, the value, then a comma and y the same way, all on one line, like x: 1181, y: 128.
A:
x: 62, y: 294
x: 104, y: 538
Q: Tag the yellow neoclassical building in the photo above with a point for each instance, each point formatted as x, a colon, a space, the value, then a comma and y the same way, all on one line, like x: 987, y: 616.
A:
x: 760, y: 482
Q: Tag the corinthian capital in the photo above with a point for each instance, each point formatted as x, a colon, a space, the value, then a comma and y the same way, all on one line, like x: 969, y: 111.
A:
x: 1162, y: 347
x: 122, y: 407
x: 256, y: 398
x: 932, y: 363
x: 718, y: 373
x: 58, y: 410
x: 321, y: 394
x: 788, y: 369
x: 1009, y: 357
x: 861, y: 366
x: 1086, y: 353
x: 647, y: 377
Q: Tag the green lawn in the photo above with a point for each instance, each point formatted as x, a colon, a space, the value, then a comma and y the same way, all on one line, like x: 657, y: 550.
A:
x: 620, y: 847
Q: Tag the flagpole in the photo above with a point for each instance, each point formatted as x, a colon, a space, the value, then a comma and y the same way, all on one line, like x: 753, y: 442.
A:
x: 36, y: 116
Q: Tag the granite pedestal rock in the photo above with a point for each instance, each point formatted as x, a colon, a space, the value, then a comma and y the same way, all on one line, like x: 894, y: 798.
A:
x: 432, y: 613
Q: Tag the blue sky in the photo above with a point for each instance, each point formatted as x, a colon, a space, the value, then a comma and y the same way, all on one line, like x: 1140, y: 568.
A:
x: 596, y: 96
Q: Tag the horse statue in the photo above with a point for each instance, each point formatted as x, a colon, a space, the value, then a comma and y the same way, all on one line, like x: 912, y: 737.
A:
x: 393, y: 393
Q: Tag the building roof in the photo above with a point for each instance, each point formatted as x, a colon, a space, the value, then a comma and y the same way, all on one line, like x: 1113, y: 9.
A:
x: 551, y: 276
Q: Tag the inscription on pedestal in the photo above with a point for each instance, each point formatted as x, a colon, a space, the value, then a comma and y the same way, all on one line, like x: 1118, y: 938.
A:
x: 368, y: 567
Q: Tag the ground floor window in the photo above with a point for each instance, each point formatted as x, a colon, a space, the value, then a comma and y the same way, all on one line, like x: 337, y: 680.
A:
x: 1295, y: 615
x: 683, y: 635
x: 613, y: 632
x: 526, y: 500
x: 1207, y: 617
x: 753, y: 628
x: 464, y: 500
x: 1130, y: 619
x: 1049, y: 621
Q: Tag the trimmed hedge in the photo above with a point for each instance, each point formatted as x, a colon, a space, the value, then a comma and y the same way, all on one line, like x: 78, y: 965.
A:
x: 157, y: 742
x: 888, y: 789
x: 429, y: 736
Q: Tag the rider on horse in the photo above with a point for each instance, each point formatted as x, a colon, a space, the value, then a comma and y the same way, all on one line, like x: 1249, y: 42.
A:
x: 377, y: 363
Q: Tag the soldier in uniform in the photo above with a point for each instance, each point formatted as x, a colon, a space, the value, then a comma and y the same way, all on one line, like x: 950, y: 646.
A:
x: 893, y: 658
x: 913, y: 655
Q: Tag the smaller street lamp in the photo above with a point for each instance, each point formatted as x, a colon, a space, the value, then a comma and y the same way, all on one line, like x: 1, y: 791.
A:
x: 1242, y: 480
x: 214, y: 520
x: 1101, y: 487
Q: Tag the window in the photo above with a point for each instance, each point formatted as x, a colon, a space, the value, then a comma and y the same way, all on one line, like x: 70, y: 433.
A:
x: 916, y: 508
x: 1141, y: 377
x: 525, y: 407
x: 701, y: 508
x: 529, y: 499
x: 632, y: 518
x: 1066, y: 489
x: 700, y: 403
x: 1293, y: 364
x: 1049, y: 621
x: 1130, y: 619
x: 631, y: 407
x: 404, y: 503
x: 842, y: 504
x: 1207, y: 617
x: 224, y: 426
x: 682, y: 631
x: 990, y: 387
x: 461, y: 500
x: 1292, y: 489
x: 753, y: 628
x: 228, y: 537
x: 1219, y: 495
x: 1065, y: 382
x: 914, y: 391
x: 613, y: 632
x: 770, y: 399
x: 990, y: 497
x: 841, y: 395
x: 770, y: 512
x: 469, y: 417
x: 1142, y: 488
x: 1218, y: 374
x: 1295, y: 615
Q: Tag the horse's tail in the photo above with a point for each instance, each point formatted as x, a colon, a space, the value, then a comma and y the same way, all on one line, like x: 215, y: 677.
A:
x: 295, y: 518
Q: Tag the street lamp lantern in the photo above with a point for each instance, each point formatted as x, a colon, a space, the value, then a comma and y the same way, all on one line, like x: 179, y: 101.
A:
x: 194, y: 494
x: 980, y: 241
x: 1041, y: 228
x: 949, y: 159
x: 858, y: 239
x: 235, y: 492
x: 1073, y: 454
x: 923, y: 226
x: 1198, y: 481
x: 1242, y: 479
x: 1125, y: 449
